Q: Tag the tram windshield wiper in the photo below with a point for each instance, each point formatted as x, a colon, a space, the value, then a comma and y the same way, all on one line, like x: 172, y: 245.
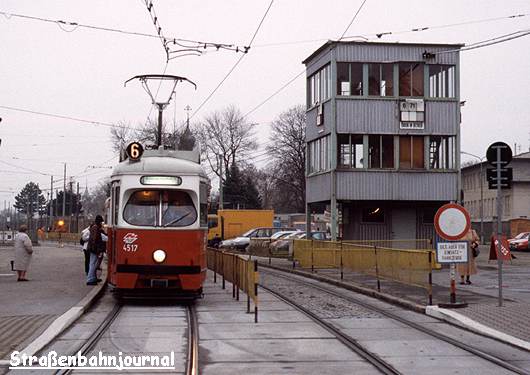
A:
x: 177, y: 219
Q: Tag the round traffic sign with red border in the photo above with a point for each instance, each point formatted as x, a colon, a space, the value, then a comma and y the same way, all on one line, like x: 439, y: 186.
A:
x: 452, y: 222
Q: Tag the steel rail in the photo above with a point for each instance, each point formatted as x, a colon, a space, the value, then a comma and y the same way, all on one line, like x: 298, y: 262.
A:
x: 95, y: 336
x: 352, y: 344
x: 479, y: 353
x: 192, y: 363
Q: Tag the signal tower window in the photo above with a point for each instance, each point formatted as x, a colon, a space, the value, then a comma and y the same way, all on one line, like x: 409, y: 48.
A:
x: 411, y: 152
x: 349, y: 79
x: 411, y: 79
x: 441, y: 81
x: 442, y: 155
x: 350, y: 151
x: 318, y: 155
x: 380, y: 79
x: 319, y: 86
x: 380, y: 151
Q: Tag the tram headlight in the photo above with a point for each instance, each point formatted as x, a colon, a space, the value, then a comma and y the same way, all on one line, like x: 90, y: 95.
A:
x: 159, y: 256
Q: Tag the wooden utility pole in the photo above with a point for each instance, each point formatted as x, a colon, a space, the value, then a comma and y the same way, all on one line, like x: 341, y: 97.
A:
x: 77, y: 209
x: 220, y: 182
x: 70, y: 226
x: 64, y: 192
x: 51, y: 203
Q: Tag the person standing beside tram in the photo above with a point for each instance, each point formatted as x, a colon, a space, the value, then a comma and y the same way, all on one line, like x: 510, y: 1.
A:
x: 96, y: 247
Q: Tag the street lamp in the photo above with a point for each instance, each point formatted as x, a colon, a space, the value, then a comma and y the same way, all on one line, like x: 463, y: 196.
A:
x: 481, y: 159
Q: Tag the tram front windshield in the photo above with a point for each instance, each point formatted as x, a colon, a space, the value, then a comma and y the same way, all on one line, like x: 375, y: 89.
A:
x: 160, y: 208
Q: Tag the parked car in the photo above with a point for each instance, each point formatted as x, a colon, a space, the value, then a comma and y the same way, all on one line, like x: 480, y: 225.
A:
x: 283, y: 243
x: 520, y: 242
x: 242, y: 242
x: 282, y: 234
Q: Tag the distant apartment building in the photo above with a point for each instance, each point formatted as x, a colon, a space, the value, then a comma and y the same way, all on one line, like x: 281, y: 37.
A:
x: 383, y: 138
x: 516, y: 201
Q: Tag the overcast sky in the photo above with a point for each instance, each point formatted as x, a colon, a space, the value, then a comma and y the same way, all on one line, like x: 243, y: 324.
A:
x: 79, y: 72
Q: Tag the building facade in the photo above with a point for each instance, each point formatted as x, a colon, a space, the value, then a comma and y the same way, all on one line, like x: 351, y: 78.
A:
x: 515, y: 201
x: 383, y: 139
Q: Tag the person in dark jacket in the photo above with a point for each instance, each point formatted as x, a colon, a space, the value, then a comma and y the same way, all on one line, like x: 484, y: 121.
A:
x: 96, y: 247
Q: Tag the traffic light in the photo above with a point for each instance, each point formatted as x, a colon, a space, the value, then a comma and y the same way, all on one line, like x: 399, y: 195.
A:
x: 505, y: 180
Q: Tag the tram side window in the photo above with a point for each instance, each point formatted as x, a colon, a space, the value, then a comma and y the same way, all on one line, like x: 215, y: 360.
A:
x: 178, y: 209
x: 142, y: 208
x: 203, y: 200
x: 116, y: 204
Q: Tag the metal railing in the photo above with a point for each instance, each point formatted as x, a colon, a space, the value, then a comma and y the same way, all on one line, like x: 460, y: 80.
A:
x: 408, y: 266
x: 239, y: 270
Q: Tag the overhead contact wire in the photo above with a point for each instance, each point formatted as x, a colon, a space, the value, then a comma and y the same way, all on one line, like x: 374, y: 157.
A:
x: 235, y: 65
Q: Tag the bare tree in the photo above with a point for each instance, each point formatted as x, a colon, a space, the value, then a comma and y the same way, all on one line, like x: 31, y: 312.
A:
x: 287, y: 147
x: 121, y: 136
x: 226, y: 133
x: 147, y: 134
x: 264, y: 183
x: 93, y: 201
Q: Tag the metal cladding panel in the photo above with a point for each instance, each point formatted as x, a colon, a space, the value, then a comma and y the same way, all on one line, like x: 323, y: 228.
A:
x: 312, y: 130
x: 390, y: 53
x: 521, y: 169
x: 322, y: 59
x: 318, y: 188
x: 371, y: 231
x: 392, y: 185
x: 369, y: 116
x: 441, y: 117
x: 364, y: 185
x: 381, y: 116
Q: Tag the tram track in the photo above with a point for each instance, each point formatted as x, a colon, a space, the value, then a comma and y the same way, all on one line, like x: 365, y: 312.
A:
x: 95, y: 336
x: 352, y: 344
x: 192, y: 355
x: 414, y: 325
x: 192, y: 362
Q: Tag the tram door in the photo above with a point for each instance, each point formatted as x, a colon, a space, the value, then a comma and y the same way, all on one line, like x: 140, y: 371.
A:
x: 114, y: 217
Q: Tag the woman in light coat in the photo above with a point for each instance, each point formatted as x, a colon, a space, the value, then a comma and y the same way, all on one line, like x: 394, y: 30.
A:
x: 23, y: 252
x: 469, y: 268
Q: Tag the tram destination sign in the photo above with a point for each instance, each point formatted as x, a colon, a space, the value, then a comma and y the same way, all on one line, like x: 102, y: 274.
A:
x: 451, y: 252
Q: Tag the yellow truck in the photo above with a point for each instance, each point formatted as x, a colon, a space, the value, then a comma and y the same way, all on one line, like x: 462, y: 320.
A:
x: 232, y: 223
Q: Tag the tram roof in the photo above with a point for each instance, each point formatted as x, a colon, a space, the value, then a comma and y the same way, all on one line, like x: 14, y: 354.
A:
x: 163, y: 162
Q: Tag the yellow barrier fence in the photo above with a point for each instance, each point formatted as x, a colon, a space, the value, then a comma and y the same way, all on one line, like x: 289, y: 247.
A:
x: 259, y: 246
x: 302, y: 250
x: 407, y: 266
x: 62, y: 237
x: 418, y: 244
x: 242, y: 272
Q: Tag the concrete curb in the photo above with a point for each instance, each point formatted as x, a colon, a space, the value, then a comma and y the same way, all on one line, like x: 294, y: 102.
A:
x: 355, y: 288
x: 64, y: 321
x: 463, y: 321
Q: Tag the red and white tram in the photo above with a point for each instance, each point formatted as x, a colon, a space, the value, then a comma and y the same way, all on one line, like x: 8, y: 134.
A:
x: 157, y: 225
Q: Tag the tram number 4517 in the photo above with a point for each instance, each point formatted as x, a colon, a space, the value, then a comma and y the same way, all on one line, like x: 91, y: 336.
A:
x: 130, y: 247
